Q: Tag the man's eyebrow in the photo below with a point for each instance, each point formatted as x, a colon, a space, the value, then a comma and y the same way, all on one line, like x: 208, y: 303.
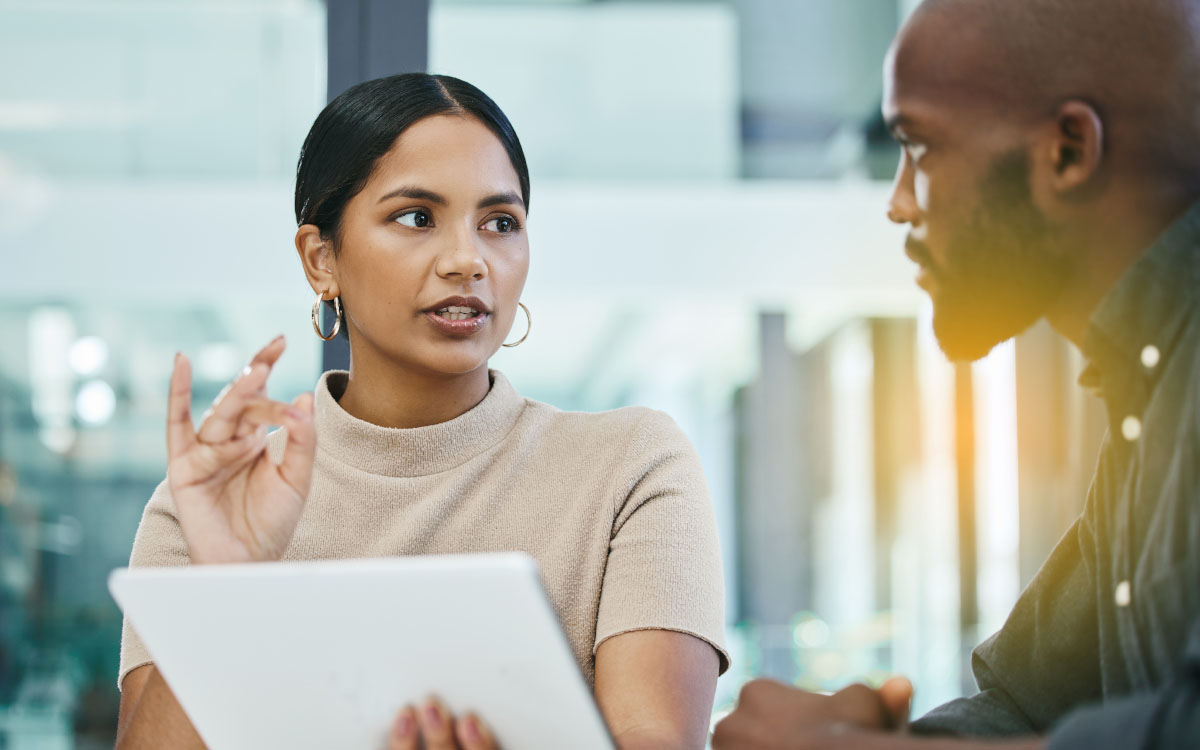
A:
x: 501, y: 199
x: 416, y: 193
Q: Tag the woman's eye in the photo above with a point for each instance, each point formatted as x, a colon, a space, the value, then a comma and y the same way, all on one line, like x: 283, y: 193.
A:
x: 501, y: 225
x: 415, y: 219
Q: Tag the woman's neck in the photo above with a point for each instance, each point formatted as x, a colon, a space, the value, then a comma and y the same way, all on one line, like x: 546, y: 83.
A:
x: 390, y: 396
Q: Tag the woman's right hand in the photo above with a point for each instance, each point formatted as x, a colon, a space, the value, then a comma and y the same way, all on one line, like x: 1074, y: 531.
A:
x: 234, y: 503
x: 433, y: 727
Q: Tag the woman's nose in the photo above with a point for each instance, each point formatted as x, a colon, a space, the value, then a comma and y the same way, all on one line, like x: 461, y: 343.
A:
x: 462, y: 259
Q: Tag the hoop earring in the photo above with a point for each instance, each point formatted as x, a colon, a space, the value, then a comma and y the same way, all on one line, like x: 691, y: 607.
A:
x: 316, y: 316
x: 528, y: 327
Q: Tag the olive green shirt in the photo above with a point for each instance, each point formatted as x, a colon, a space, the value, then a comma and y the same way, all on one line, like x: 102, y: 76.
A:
x: 1102, y: 650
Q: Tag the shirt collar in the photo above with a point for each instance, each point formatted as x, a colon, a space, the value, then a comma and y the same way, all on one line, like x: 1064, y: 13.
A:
x: 1132, y: 333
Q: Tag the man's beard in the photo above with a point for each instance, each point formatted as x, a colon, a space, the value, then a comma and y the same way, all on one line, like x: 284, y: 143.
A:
x: 1003, y: 271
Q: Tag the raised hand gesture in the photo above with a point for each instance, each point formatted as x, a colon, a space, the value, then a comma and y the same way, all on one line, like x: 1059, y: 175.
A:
x: 234, y: 503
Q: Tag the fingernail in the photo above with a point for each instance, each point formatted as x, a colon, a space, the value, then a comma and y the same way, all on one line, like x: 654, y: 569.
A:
x: 277, y: 338
x: 404, y: 726
x: 471, y: 729
x: 296, y: 414
x: 433, y: 714
x: 245, y: 371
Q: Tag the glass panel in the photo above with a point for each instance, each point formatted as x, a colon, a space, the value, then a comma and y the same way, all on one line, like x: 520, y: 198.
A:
x: 146, y: 156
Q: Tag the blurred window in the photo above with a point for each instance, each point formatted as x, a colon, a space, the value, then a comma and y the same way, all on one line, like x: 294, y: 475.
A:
x: 147, y: 150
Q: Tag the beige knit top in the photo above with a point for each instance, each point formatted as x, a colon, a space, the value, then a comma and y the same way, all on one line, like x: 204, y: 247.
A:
x: 613, y: 506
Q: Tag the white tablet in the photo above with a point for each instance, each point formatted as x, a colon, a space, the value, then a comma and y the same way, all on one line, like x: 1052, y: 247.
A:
x: 320, y: 655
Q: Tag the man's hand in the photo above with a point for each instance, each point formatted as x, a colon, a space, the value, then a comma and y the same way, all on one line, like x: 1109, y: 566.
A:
x: 773, y: 715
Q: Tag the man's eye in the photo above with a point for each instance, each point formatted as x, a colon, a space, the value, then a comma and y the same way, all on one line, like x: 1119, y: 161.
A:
x: 417, y: 219
x: 501, y: 225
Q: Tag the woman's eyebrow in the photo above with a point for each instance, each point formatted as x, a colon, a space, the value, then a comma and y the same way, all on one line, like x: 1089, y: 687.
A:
x: 415, y: 193
x: 501, y: 199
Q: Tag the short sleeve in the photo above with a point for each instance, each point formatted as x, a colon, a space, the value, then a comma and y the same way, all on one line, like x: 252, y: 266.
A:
x: 159, y: 543
x: 664, y: 562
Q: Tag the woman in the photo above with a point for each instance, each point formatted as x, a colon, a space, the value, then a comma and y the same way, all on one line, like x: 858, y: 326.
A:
x: 411, y: 196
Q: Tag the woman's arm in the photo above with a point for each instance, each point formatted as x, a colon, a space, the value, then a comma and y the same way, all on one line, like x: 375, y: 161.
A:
x: 655, y: 689
x: 655, y: 681
x: 150, y: 715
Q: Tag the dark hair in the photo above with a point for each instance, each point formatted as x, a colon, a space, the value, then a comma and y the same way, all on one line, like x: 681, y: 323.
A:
x: 360, y: 126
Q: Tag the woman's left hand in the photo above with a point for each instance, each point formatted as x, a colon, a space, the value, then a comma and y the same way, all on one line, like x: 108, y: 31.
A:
x: 432, y: 727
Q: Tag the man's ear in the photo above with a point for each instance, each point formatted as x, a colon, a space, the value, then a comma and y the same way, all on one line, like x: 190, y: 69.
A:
x: 1075, y: 147
x: 317, y: 257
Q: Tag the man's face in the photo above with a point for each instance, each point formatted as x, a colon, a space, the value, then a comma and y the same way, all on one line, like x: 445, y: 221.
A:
x: 987, y: 256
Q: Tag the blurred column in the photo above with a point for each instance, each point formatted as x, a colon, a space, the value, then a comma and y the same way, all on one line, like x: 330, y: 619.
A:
x: 897, y: 435
x: 1042, y: 399
x: 370, y: 39
x: 968, y: 540
x: 1059, y: 430
x: 774, y: 519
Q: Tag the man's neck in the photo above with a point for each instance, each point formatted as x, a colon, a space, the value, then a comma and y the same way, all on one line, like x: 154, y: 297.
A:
x: 1113, y: 241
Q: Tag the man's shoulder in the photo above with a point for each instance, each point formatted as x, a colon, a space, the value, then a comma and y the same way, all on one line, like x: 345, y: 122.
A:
x: 1178, y: 392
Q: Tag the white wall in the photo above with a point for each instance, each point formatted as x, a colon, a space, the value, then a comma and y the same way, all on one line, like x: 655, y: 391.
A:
x: 740, y: 242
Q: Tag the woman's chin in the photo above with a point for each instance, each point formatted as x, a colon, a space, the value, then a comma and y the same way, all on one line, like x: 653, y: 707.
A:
x: 454, y: 363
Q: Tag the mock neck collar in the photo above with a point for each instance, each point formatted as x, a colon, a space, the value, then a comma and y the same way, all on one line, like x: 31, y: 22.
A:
x: 419, y: 451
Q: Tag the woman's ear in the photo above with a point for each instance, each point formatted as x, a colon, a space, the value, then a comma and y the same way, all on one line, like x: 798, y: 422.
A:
x: 318, y: 259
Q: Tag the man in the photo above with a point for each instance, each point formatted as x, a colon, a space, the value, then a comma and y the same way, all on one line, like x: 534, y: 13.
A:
x: 1051, y: 168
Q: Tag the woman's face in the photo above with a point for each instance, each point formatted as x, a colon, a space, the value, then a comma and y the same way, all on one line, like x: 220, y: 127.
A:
x: 433, y: 253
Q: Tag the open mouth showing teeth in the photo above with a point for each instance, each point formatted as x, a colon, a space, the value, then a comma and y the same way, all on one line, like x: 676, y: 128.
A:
x: 456, y: 313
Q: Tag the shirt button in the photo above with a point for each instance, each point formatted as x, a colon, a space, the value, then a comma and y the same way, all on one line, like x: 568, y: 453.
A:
x: 1131, y: 428
x: 1150, y: 357
x: 1122, y: 596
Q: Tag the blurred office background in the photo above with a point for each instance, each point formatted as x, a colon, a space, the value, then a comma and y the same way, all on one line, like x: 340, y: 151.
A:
x: 709, y: 183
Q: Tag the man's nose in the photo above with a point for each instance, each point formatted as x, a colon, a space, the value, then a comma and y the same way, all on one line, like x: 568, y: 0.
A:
x: 902, y: 206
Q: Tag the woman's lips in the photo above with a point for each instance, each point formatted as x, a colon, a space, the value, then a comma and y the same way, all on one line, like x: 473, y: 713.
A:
x: 457, y: 328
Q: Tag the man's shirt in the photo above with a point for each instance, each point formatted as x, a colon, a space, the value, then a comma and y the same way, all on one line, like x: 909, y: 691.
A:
x: 1102, y: 650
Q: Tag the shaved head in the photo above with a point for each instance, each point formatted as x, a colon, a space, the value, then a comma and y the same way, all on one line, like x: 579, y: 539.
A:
x: 1137, y: 62
x: 1046, y: 144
